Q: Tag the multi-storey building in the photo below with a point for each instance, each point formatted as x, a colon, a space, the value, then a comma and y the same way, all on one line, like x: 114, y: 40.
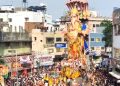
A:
x: 96, y: 42
x: 48, y: 42
x: 12, y: 34
x: 15, y: 30
x: 116, y: 45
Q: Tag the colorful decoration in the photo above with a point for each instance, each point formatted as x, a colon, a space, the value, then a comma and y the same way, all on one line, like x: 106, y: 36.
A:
x: 2, y: 81
x: 76, y: 34
x: 3, y: 69
x: 77, y: 29
x: 15, y: 65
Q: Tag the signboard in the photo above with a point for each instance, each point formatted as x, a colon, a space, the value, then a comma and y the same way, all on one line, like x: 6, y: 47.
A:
x: 44, y: 60
x: 61, y: 45
x: 25, y: 59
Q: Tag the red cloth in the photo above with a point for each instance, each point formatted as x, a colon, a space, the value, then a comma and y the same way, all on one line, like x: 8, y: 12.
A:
x: 25, y: 72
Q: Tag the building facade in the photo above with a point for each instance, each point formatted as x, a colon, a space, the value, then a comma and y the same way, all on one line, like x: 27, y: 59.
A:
x: 16, y: 27
x: 116, y: 45
x: 45, y: 42
x: 96, y: 42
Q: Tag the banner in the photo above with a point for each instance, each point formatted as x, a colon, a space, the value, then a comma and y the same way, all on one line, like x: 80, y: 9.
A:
x: 44, y: 60
x: 24, y: 59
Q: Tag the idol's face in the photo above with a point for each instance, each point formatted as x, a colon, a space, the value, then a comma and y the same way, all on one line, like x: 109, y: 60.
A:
x: 74, y: 17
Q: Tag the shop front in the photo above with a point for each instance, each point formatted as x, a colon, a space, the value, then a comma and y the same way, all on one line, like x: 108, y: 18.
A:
x: 17, y: 65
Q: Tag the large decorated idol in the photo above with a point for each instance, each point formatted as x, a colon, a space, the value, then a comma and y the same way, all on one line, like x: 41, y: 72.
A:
x: 77, y: 30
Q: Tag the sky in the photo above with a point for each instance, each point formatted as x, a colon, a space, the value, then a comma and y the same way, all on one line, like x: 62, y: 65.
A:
x: 57, y: 8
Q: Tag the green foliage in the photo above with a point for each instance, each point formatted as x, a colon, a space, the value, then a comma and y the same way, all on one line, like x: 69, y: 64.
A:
x: 5, y: 76
x: 107, y: 32
x: 2, y: 61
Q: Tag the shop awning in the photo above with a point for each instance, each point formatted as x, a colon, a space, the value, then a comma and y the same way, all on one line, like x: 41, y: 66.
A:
x: 13, y: 58
x: 115, y: 74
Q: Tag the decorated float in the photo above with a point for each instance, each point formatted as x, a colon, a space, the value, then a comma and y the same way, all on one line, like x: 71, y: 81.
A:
x: 76, y: 32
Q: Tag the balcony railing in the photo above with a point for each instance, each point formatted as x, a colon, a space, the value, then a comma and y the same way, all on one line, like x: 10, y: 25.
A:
x: 14, y: 36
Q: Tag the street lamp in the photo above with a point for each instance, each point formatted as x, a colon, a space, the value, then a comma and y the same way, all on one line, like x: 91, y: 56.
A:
x: 15, y: 52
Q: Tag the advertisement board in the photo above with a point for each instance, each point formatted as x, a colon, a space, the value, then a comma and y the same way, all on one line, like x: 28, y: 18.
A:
x: 43, y: 60
x: 25, y: 61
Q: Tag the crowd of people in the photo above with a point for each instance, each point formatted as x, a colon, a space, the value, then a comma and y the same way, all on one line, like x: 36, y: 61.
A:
x: 54, y: 76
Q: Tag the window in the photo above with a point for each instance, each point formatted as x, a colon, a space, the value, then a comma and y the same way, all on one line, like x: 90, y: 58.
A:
x: 97, y: 39
x: 15, y: 29
x: 103, y: 39
x: 92, y: 39
x: 92, y: 48
x: 118, y: 29
x: 58, y: 39
x: 10, y: 19
x: 1, y: 19
x: 51, y: 29
x: 65, y: 39
x: 115, y: 29
x: 102, y: 48
x: 98, y: 48
x: 35, y: 38
x: 26, y: 19
x: 49, y: 40
x: 97, y: 25
x: 40, y: 40
x: 50, y: 50
x: 56, y: 29
x: 7, y: 44
x: 26, y: 44
x: 10, y: 29
x: 42, y: 19
x: 117, y: 53
x: 20, y: 29
x: 58, y: 50
x: 93, y: 25
x: 45, y: 20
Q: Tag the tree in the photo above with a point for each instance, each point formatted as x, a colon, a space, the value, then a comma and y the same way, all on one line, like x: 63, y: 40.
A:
x: 107, y: 33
